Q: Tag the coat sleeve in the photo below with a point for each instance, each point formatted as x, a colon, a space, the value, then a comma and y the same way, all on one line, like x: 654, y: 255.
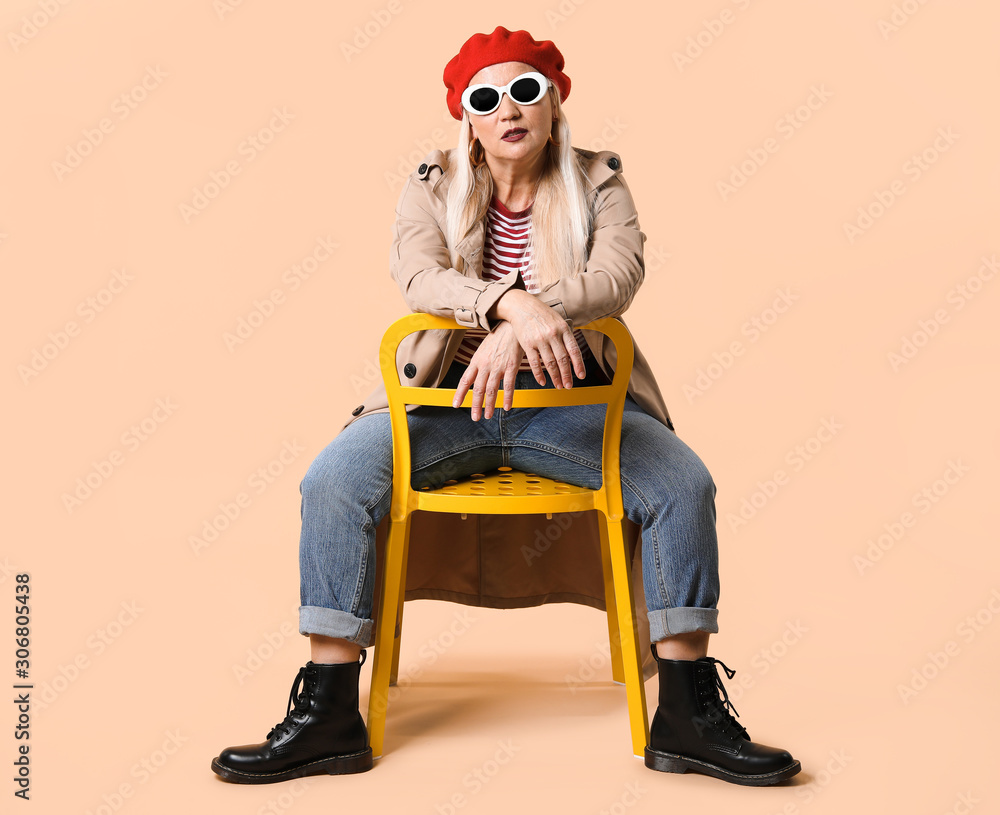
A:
x: 615, y: 268
x: 420, y: 263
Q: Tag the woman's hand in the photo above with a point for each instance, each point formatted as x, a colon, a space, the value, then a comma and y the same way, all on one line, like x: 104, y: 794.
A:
x: 547, y: 339
x: 496, y: 359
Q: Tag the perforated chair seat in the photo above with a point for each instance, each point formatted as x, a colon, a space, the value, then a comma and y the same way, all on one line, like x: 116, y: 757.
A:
x: 504, y: 483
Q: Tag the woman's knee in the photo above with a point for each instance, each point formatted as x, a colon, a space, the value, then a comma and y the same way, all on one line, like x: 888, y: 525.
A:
x: 692, y: 473
x: 673, y: 467
x: 359, y: 457
x: 701, y: 483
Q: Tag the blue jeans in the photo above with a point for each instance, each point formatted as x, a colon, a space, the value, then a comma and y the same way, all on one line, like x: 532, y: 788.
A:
x: 666, y: 490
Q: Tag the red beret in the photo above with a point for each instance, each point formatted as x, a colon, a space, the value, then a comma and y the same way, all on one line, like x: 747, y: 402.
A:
x: 502, y: 45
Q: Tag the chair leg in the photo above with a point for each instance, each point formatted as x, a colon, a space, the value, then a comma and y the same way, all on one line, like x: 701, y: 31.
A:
x: 635, y: 691
x: 389, y: 601
x: 614, y: 636
x: 394, y: 673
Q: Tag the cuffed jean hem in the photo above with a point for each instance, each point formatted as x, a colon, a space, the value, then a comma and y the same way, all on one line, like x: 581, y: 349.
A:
x: 331, y: 622
x: 671, y: 621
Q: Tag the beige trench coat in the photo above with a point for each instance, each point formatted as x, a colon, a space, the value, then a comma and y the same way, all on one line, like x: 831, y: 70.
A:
x: 503, y: 561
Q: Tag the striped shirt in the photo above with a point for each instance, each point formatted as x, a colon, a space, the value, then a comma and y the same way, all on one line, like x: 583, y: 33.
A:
x: 506, y: 250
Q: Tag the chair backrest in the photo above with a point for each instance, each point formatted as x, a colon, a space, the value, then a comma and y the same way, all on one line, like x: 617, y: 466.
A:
x: 613, y: 395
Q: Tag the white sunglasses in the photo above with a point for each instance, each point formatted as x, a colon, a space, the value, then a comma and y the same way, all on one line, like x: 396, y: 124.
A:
x: 525, y: 89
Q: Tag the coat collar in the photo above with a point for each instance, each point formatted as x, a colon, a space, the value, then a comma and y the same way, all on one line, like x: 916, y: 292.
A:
x: 599, y: 166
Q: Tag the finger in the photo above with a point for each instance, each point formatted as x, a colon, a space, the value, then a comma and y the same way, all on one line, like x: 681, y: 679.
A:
x: 508, y: 386
x: 576, y: 354
x: 478, y: 392
x: 534, y: 360
x: 564, y: 363
x: 549, y: 360
x: 463, y: 387
x: 490, y: 397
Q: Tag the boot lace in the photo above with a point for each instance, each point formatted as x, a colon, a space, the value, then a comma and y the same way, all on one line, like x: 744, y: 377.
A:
x: 300, y: 703
x: 719, y: 706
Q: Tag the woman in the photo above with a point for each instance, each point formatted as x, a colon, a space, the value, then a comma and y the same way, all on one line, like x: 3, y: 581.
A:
x: 561, y: 245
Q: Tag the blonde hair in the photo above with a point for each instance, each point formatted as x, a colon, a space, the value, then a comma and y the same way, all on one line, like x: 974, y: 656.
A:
x: 560, y: 216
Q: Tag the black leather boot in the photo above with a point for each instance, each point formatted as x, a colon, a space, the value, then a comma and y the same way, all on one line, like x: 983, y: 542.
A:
x: 323, y: 733
x: 693, y: 729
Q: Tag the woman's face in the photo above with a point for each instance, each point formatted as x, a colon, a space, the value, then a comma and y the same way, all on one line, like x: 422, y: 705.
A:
x: 535, y: 119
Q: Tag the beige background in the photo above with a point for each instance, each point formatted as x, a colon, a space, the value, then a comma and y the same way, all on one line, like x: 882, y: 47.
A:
x: 138, y: 642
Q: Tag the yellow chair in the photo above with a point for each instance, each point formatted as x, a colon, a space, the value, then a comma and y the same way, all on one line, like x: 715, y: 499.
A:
x: 508, y: 491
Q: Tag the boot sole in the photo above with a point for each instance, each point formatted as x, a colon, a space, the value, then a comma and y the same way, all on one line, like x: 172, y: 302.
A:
x: 672, y: 763
x: 339, y: 765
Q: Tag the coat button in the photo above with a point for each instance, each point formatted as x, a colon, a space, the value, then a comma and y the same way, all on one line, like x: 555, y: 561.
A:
x: 357, y: 410
x: 422, y: 169
x: 613, y: 163
x: 410, y: 370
